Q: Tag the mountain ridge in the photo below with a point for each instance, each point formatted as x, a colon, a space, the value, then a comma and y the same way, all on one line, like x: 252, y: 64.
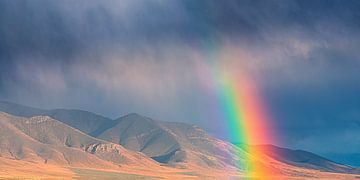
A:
x: 89, y: 121
x: 306, y: 159
x: 173, y: 144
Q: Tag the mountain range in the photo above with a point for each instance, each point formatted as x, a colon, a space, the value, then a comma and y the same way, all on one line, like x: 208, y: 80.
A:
x: 63, y: 143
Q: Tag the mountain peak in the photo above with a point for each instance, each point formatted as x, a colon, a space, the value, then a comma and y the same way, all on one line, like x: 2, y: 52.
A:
x: 132, y: 115
x: 135, y: 117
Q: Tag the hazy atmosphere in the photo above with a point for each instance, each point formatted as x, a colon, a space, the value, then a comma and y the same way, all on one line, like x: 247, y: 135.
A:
x: 119, y: 57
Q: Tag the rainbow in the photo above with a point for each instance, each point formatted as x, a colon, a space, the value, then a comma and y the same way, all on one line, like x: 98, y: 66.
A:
x: 248, y: 122
x: 243, y: 110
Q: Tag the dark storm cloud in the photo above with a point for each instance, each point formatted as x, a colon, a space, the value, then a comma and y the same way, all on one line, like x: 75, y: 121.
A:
x: 67, y: 27
x: 138, y: 56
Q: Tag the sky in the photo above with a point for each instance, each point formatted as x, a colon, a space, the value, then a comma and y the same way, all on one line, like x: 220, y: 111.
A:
x: 143, y: 56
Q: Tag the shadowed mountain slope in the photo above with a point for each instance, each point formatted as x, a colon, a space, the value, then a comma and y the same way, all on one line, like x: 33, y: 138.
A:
x: 141, y: 134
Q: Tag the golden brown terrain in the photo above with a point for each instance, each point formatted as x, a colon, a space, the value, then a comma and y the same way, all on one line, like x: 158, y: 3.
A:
x: 18, y: 169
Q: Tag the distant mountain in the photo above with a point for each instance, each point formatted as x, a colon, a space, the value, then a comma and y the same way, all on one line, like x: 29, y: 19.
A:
x: 85, y: 121
x: 300, y: 158
x: 43, y: 139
